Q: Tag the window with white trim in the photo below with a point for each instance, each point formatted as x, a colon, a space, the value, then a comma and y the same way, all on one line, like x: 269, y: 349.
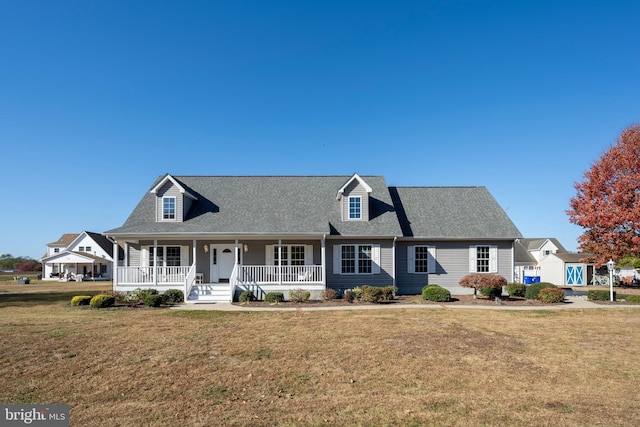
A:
x: 421, y: 259
x: 168, y: 208
x: 356, y: 259
x: 289, y: 254
x: 483, y: 259
x: 168, y: 256
x: 355, y: 207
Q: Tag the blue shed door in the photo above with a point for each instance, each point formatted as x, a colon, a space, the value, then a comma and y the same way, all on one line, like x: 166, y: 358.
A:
x: 575, y: 275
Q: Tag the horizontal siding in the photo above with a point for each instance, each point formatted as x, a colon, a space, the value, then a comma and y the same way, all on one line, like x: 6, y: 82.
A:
x: 169, y: 190
x: 341, y: 282
x: 452, y: 264
x: 355, y: 190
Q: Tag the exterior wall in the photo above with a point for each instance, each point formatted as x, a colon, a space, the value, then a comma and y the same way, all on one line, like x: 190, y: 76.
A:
x: 169, y: 190
x: 355, y: 189
x: 552, y: 270
x: 341, y: 282
x: 186, y: 245
x: 96, y: 250
x: 452, y: 264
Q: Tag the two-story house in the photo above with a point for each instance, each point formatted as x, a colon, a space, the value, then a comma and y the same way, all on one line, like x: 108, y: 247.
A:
x: 84, y: 256
x: 214, y: 236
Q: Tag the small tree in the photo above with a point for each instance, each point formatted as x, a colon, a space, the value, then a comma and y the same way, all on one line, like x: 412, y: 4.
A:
x: 479, y: 281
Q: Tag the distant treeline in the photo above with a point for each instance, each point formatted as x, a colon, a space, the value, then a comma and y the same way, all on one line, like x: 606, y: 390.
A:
x: 9, y: 262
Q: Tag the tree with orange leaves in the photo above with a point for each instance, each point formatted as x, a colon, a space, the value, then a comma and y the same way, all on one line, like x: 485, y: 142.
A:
x: 607, y: 203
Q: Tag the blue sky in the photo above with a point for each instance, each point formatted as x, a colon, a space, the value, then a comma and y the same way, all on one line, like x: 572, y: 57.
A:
x: 98, y: 98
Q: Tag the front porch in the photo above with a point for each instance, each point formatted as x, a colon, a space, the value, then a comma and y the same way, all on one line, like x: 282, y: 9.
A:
x: 258, y: 278
x: 217, y: 270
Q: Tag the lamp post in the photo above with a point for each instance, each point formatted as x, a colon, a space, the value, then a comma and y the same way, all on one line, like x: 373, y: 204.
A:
x: 611, y: 265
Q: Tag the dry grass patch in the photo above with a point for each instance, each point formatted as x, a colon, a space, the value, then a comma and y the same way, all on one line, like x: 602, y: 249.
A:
x: 383, y: 367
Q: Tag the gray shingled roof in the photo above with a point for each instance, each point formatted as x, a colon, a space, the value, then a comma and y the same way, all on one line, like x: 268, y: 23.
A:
x: 266, y: 205
x: 451, y: 213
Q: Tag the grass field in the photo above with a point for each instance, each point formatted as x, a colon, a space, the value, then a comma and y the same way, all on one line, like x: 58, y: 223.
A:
x: 414, y: 367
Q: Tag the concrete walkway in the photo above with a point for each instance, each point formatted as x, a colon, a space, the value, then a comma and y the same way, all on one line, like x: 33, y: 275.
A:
x: 571, y: 302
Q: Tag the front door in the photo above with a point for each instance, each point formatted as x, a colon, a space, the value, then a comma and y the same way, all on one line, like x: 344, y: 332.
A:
x: 222, y: 262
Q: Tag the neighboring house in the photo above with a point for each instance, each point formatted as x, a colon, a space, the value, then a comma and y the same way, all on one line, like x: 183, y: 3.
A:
x: 214, y: 236
x: 84, y: 256
x: 546, y: 260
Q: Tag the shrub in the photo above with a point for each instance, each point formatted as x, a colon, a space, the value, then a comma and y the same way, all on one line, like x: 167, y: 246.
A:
x: 348, y: 296
x: 328, y: 294
x: 532, y: 290
x: 246, y: 296
x: 274, y: 297
x: 516, y: 289
x: 102, y: 301
x: 81, y: 300
x: 436, y: 293
x: 551, y: 295
x: 299, y: 295
x: 357, y: 293
x: 389, y: 293
x: 371, y: 293
x: 633, y: 299
x: 138, y: 295
x: 479, y: 281
x: 495, y: 292
x: 174, y: 296
x: 154, y: 300
x: 599, y: 295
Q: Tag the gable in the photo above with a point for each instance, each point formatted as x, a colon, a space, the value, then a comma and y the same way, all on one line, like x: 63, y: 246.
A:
x: 354, y: 201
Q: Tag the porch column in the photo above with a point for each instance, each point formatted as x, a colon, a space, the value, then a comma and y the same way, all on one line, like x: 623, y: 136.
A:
x: 155, y: 263
x: 393, y: 264
x: 236, y: 262
x: 114, y: 269
x: 280, y: 261
x: 323, y: 260
x: 194, y: 255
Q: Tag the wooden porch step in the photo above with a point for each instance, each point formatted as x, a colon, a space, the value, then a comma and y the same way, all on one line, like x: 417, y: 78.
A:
x: 210, y: 293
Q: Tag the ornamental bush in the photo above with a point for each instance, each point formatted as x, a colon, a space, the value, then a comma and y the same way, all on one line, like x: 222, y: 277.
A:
x: 348, y: 296
x: 551, y: 295
x: 174, y: 296
x: 495, y: 292
x: 371, y: 293
x: 81, y: 300
x: 516, y: 289
x: 274, y: 297
x: 328, y: 294
x: 246, y: 296
x: 299, y: 295
x: 479, y: 281
x: 532, y: 291
x: 599, y: 295
x: 102, y: 301
x: 436, y: 293
x: 633, y: 299
x: 154, y: 300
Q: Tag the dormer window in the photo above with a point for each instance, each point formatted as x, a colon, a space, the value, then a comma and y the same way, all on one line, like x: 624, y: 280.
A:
x: 354, y: 199
x: 169, y: 208
x: 355, y: 207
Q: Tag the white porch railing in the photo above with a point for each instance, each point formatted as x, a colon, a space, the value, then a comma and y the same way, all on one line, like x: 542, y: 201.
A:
x: 270, y: 274
x: 148, y: 276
